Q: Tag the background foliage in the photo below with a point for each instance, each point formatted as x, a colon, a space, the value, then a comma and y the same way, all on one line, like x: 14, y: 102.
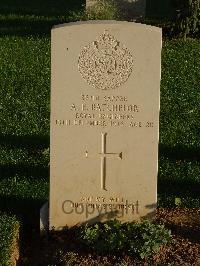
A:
x: 187, y: 21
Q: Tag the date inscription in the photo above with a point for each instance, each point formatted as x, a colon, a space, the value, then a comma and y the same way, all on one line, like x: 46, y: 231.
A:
x: 104, y: 111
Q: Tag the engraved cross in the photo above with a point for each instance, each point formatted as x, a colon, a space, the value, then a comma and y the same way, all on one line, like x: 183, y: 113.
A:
x: 103, y: 156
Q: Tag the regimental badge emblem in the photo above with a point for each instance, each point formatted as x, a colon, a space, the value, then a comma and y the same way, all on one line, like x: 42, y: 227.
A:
x: 105, y: 64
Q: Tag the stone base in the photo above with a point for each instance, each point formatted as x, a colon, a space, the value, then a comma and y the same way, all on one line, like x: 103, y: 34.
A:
x: 44, y: 218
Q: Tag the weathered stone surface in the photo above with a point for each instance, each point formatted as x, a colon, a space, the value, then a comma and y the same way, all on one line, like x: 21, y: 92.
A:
x: 104, y: 121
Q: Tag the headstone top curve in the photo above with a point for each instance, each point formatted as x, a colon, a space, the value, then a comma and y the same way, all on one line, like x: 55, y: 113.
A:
x: 105, y: 22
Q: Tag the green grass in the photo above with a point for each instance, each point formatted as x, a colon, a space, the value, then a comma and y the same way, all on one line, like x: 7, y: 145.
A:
x: 179, y: 171
x: 24, y: 125
x: 25, y: 109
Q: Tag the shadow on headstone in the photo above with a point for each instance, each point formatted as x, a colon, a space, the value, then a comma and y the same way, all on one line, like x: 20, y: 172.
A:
x: 103, y: 217
x: 152, y: 211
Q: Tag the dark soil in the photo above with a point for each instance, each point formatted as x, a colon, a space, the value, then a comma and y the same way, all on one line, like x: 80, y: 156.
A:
x: 60, y: 249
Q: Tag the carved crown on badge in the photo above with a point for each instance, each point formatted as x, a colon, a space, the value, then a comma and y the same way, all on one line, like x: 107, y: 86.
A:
x: 105, y: 63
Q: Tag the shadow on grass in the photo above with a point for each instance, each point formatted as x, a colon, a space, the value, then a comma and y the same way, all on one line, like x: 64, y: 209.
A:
x: 23, y: 17
x: 179, y: 188
x: 179, y: 179
x: 38, y: 7
x: 29, y: 142
x: 26, y: 209
x: 179, y: 152
x: 25, y: 27
x: 163, y: 10
x: 27, y: 171
x: 34, y: 144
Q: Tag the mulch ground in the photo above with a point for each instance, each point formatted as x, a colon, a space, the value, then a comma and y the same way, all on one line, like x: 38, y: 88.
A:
x: 184, y: 250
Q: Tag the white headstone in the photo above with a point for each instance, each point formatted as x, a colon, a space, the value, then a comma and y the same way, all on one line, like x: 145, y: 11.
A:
x: 104, y: 121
